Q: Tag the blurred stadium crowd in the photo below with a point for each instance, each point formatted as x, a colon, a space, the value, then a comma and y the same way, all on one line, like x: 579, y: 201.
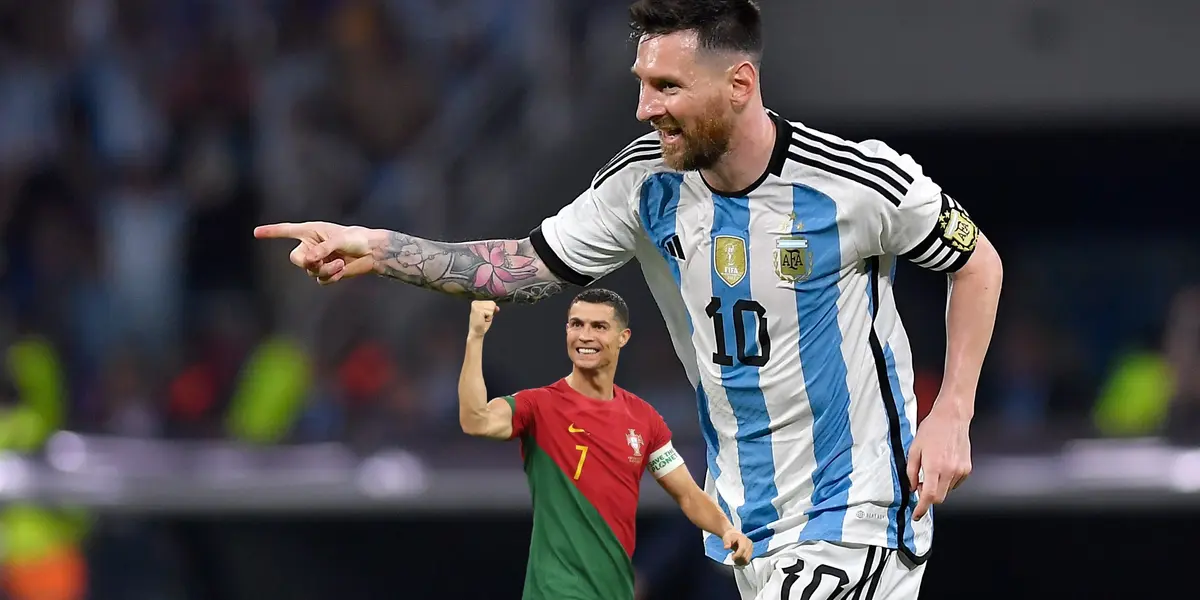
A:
x: 141, y: 141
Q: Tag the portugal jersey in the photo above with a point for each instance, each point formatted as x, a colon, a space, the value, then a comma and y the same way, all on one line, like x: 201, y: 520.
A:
x: 584, y: 459
x: 778, y: 299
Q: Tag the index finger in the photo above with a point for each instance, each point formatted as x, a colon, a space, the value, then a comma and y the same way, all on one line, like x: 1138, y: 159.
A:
x: 925, y: 500
x: 275, y: 231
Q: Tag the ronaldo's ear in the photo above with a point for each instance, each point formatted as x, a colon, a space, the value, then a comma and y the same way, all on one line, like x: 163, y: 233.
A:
x: 625, y: 335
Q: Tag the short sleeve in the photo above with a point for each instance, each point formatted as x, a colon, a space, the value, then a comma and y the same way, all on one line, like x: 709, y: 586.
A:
x: 660, y: 434
x: 521, y: 405
x: 663, y: 457
x: 598, y: 232
x: 927, y: 226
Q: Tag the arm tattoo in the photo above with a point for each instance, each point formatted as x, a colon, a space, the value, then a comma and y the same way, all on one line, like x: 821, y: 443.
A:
x: 500, y: 270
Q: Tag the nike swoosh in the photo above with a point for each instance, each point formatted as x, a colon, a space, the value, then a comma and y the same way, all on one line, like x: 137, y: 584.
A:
x: 571, y: 429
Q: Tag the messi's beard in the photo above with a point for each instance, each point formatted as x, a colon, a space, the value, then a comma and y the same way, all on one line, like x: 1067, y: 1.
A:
x: 701, y: 146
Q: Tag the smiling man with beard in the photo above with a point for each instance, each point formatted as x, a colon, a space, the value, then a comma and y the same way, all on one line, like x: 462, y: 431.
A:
x: 771, y: 249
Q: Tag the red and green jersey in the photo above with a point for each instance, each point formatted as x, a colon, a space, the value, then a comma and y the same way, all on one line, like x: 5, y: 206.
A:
x: 584, y: 459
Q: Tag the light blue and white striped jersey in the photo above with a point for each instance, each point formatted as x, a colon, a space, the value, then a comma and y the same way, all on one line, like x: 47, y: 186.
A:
x: 779, y: 302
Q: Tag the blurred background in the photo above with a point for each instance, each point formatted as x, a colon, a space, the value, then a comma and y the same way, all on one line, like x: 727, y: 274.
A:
x: 185, y: 416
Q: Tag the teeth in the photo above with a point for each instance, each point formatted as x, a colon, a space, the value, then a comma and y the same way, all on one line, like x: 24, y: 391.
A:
x: 586, y: 350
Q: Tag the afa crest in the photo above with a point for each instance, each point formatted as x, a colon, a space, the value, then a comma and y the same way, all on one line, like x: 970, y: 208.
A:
x: 729, y: 259
x: 958, y: 229
x: 793, y: 258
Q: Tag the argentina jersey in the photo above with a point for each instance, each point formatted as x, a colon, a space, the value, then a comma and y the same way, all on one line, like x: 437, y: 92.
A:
x: 778, y: 299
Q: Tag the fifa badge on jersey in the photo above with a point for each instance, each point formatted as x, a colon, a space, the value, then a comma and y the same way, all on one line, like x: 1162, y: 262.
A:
x: 635, y: 442
x: 793, y: 259
x: 958, y: 229
x: 729, y: 259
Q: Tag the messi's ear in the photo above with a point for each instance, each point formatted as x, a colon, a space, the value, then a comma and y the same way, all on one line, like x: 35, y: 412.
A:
x: 743, y: 79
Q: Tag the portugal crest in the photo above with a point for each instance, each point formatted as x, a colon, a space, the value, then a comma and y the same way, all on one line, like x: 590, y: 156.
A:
x: 635, y: 442
x: 729, y: 259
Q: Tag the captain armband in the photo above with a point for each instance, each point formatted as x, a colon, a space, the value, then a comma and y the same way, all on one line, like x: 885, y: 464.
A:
x: 664, y: 460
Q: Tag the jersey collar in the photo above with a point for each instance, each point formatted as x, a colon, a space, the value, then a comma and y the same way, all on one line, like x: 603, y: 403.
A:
x: 783, y: 136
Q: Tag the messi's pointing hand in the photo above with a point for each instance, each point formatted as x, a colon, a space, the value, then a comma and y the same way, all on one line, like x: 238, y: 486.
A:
x: 327, y: 251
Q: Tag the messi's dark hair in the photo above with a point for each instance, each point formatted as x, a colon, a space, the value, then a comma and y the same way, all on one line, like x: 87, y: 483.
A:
x: 721, y: 25
x: 608, y: 297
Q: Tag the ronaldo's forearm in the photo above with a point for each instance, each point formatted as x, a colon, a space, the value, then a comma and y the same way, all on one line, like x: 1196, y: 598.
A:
x: 499, y: 270
x: 704, y: 513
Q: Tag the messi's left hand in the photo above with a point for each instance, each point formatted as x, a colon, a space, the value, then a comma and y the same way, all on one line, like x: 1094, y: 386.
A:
x: 740, y: 544
x: 941, y: 452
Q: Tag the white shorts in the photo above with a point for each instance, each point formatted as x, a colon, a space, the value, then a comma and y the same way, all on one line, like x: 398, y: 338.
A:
x: 829, y: 571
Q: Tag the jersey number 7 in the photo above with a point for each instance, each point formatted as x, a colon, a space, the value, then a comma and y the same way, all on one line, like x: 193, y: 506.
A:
x: 582, y: 456
x: 740, y: 310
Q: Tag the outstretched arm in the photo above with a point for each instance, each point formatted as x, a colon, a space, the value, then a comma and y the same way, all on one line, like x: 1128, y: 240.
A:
x: 587, y: 239
x: 500, y: 270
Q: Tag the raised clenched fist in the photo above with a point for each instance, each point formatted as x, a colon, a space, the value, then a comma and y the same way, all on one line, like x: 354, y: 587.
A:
x: 482, y: 312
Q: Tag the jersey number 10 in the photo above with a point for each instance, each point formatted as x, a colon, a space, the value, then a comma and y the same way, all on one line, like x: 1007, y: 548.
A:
x: 740, y: 308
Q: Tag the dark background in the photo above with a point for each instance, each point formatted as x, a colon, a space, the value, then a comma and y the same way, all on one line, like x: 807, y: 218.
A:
x: 1029, y: 554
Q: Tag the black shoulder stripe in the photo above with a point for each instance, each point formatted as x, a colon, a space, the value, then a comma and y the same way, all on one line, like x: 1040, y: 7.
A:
x: 942, y: 258
x: 841, y: 170
x: 956, y: 261
x: 636, y: 146
x: 852, y: 163
x: 925, y: 250
x: 554, y: 262
x: 641, y: 156
x: 949, y: 202
x: 920, y: 251
x: 942, y: 250
x: 852, y: 149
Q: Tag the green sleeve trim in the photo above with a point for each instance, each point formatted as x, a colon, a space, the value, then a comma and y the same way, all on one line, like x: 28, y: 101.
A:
x: 512, y: 419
